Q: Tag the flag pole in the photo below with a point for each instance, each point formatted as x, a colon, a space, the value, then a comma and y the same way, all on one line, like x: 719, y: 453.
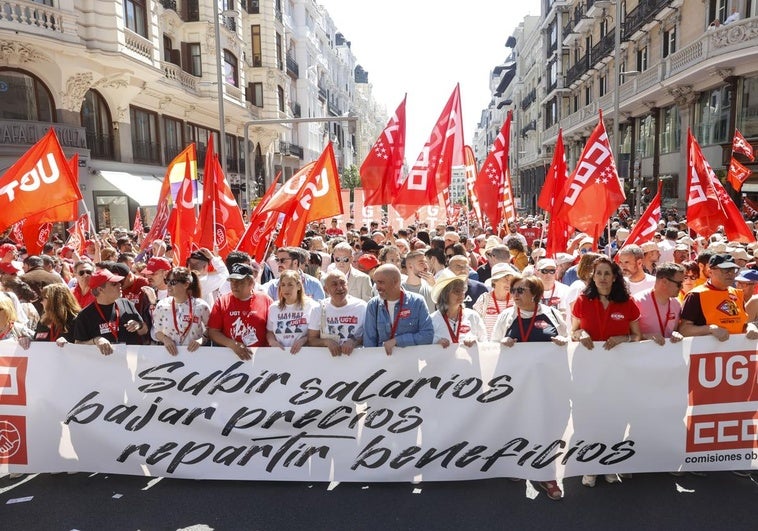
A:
x: 608, y: 246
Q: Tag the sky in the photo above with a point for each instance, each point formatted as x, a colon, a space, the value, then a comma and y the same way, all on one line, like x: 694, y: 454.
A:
x: 424, y: 48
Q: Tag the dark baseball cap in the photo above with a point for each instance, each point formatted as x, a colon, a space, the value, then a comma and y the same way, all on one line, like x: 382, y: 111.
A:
x: 722, y: 261
x: 241, y: 271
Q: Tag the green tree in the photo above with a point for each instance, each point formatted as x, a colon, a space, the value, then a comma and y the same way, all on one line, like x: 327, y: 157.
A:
x: 350, y: 177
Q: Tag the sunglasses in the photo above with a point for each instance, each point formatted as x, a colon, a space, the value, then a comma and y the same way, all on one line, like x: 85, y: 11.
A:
x: 282, y: 260
x: 519, y: 290
x: 678, y: 284
x: 547, y: 271
x: 691, y: 277
x: 343, y: 260
x: 85, y: 272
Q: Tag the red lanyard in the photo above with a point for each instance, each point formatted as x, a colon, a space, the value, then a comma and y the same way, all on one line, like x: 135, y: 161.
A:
x: 114, y: 330
x: 661, y: 323
x: 497, y: 306
x: 397, y: 317
x: 525, y: 336
x: 454, y: 335
x: 176, y: 323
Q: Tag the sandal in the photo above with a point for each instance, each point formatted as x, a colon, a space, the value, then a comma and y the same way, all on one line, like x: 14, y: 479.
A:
x: 552, y: 489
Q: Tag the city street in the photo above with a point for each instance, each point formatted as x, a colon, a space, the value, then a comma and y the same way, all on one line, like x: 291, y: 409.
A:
x: 647, y: 501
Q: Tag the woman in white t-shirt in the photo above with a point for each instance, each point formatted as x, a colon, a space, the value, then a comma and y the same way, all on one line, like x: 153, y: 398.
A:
x: 287, y: 325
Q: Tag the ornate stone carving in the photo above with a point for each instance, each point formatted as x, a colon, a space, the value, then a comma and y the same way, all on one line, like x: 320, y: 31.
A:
x: 16, y: 53
x: 76, y: 87
x: 113, y: 82
x: 683, y: 95
x: 189, y: 110
x: 735, y: 33
x: 723, y: 73
x: 164, y: 102
x: 120, y: 115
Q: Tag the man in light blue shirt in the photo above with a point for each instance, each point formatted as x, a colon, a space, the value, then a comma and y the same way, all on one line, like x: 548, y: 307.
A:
x: 292, y: 258
x: 395, y: 317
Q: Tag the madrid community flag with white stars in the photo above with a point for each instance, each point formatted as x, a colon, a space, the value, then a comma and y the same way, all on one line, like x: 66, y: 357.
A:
x: 381, y: 170
x: 493, y: 184
x: 593, y: 190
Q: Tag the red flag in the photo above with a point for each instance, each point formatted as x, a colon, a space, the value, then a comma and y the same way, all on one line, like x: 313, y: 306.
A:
x: 175, y: 170
x: 313, y: 193
x: 40, y: 180
x: 708, y: 204
x: 258, y: 229
x: 17, y: 234
x: 381, y: 170
x: 558, y: 231
x: 220, y: 225
x: 737, y: 174
x: 67, y: 211
x: 490, y: 184
x: 36, y: 235
x: 182, y: 221
x: 431, y: 174
x: 740, y: 145
x: 471, y: 173
x: 139, y: 228
x: 78, y: 232
x: 749, y: 207
x: 593, y: 190
x: 647, y: 225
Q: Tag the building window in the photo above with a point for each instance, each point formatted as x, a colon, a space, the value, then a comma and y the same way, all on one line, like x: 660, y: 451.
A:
x: 576, y: 103
x: 717, y: 9
x: 645, y: 136
x: 255, y: 33
x: 280, y: 95
x: 25, y: 98
x: 192, y: 60
x: 231, y: 153
x: 96, y: 119
x: 747, y: 117
x: 279, y: 60
x: 174, y: 137
x: 602, y: 85
x: 231, y: 69
x: 670, y: 130
x: 135, y: 13
x: 551, y: 113
x: 255, y: 94
x: 588, y: 94
x: 200, y: 135
x: 669, y: 42
x: 642, y: 59
x: 712, y: 116
x: 145, y: 139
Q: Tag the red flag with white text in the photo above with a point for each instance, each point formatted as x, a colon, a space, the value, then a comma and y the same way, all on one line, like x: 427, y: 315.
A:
x: 78, y: 233
x: 259, y: 228
x: 737, y: 174
x: 182, y: 221
x: 558, y: 231
x: 708, y: 204
x: 220, y: 225
x: 381, y: 170
x: 431, y: 174
x: 471, y: 173
x: 593, y: 190
x: 40, y: 180
x: 491, y: 187
x: 740, y: 145
x: 647, y: 225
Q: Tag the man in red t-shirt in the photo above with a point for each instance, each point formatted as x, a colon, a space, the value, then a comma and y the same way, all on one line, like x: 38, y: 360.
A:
x: 238, y: 319
x: 334, y: 230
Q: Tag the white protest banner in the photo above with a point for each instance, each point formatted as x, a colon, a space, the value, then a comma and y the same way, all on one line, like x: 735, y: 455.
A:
x: 535, y: 411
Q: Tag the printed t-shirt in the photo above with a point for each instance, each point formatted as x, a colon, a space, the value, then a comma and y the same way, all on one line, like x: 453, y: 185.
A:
x: 90, y: 324
x: 291, y: 322
x: 243, y: 321
x: 342, y: 323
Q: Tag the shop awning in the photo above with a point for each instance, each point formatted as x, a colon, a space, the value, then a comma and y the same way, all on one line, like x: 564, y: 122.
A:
x: 143, y: 189
x: 750, y: 187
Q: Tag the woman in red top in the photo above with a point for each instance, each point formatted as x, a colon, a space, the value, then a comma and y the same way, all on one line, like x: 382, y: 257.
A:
x: 605, y: 312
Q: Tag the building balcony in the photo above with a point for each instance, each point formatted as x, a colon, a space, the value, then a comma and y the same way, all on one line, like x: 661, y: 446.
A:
x: 139, y: 45
x: 176, y: 74
x: 604, y: 48
x: 230, y: 23
x: 146, y: 152
x: 295, y: 107
x: 171, y: 152
x: 323, y: 94
x: 531, y: 126
x: 279, y: 15
x: 530, y: 98
x: 169, y: 4
x: 100, y: 146
x: 293, y: 69
x: 573, y: 19
x: 578, y: 69
x: 333, y: 108
x: 288, y: 149
x: 644, y: 13
x: 253, y: 7
x: 30, y: 17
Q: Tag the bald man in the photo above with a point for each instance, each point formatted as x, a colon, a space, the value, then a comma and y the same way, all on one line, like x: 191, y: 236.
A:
x: 395, y: 317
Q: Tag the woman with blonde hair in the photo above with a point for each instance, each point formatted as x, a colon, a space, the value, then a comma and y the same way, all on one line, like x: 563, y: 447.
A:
x: 9, y: 328
x: 288, y: 317
x: 60, y: 308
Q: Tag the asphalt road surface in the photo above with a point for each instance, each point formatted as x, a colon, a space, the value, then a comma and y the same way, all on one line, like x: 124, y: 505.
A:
x: 719, y: 501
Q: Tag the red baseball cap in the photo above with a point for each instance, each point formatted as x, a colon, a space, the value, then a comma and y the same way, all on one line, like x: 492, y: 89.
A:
x: 6, y: 248
x: 368, y: 262
x: 8, y: 268
x: 156, y: 263
x: 101, y: 277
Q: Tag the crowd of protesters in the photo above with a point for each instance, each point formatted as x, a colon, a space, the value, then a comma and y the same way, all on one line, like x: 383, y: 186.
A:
x: 350, y: 287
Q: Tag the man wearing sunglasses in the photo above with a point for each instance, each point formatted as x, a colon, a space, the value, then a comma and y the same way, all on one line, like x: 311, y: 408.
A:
x: 659, y: 306
x: 293, y: 259
x: 554, y: 294
x: 358, y: 284
x: 82, y: 273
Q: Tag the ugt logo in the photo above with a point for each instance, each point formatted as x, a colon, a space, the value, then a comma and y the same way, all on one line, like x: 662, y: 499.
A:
x: 13, y: 440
